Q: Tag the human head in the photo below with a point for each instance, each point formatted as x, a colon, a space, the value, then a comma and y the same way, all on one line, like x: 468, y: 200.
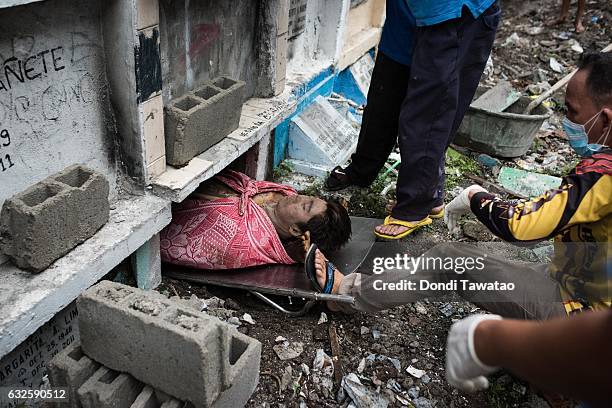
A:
x: 327, y: 220
x: 589, y: 97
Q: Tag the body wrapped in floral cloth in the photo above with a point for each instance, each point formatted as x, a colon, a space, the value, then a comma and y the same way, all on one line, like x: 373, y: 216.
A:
x: 237, y: 222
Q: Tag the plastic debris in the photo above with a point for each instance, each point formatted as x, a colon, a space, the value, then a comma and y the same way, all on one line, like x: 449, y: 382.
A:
x: 527, y: 183
x: 247, y: 318
x: 487, y: 160
x: 288, y: 351
x: 279, y: 339
x: 511, y: 40
x: 415, y: 372
x: 556, y: 66
x: 362, y: 396
x: 286, y: 378
x: 575, y: 46
x: 323, y: 363
x: 376, y: 334
x: 322, y: 318
x: 447, y: 309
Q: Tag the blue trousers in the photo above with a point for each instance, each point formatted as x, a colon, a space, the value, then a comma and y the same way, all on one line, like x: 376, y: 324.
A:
x: 448, y: 61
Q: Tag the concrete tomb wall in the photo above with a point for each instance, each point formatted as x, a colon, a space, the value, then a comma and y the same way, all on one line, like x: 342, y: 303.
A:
x: 54, y: 105
x: 203, y: 39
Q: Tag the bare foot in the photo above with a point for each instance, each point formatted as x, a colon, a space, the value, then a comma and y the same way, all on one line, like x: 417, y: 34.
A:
x: 391, y: 230
x: 556, y: 22
x: 579, y: 28
x: 321, y: 270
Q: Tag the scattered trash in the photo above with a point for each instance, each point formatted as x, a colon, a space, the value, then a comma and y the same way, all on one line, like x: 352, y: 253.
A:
x: 423, y: 402
x: 564, y: 35
x: 527, y: 183
x: 415, y: 372
x: 488, y: 161
x: 556, y: 66
x: 286, y: 378
x: 575, y: 46
x: 375, y: 334
x: 534, y: 30
x: 362, y: 396
x: 288, y: 351
x: 447, y: 309
x: 322, y: 318
x: 305, y: 369
x: 414, y: 392
x: 361, y: 366
x: 280, y: 339
x: 364, y: 330
x: 323, y: 363
x: 247, y: 318
x: 513, y: 39
x: 425, y: 379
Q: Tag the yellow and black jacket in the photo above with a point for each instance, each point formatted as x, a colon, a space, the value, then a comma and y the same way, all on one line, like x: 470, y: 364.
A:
x: 578, y: 215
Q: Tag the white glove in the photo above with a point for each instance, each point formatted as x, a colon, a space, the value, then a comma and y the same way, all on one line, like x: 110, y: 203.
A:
x: 464, y: 370
x: 459, y: 206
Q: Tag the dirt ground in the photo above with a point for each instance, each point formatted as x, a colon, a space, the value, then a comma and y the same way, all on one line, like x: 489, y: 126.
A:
x: 414, y: 335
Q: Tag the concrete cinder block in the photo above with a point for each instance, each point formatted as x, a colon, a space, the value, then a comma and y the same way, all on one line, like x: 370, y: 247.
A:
x: 45, y: 221
x: 202, y: 118
x: 188, y: 355
x: 109, y: 389
x: 71, y: 368
x: 146, y: 399
x: 245, y: 356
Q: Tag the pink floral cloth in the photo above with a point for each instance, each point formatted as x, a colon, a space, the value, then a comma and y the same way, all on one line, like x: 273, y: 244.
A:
x: 225, y: 233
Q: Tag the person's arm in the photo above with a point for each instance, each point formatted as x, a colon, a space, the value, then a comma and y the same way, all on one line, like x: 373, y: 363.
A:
x: 582, y: 198
x: 571, y: 356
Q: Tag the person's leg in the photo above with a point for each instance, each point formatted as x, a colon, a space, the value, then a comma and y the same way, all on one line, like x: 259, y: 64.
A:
x: 579, y: 14
x: 424, y: 125
x: 536, y: 295
x: 477, y: 36
x: 565, y: 5
x: 378, y: 133
x: 448, y: 62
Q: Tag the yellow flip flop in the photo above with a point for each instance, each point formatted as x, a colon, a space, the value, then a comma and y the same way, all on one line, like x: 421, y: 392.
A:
x: 433, y: 216
x: 411, y: 225
x: 438, y: 215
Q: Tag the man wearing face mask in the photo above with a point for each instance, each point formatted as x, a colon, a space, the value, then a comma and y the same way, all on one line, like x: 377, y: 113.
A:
x: 577, y: 214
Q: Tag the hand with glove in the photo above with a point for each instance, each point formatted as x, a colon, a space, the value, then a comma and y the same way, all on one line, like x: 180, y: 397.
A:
x: 464, y: 369
x: 459, y: 206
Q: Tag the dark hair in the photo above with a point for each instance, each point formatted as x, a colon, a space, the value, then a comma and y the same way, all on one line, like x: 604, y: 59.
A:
x: 330, y: 230
x: 599, y: 79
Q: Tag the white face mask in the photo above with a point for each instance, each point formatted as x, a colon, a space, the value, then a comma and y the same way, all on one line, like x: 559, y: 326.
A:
x: 578, y: 136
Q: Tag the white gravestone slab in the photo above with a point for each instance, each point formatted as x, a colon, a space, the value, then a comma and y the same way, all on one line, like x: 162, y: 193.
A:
x: 25, y: 366
x: 362, y: 72
x: 320, y: 138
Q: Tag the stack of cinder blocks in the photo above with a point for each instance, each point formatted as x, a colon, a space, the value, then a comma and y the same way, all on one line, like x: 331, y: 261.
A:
x: 202, y: 118
x: 141, y: 337
x: 44, y: 222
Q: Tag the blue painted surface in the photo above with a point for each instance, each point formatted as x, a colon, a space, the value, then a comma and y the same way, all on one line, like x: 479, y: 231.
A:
x: 346, y: 85
x: 321, y: 84
x: 324, y: 83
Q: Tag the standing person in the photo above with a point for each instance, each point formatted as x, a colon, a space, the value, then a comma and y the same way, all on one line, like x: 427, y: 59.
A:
x: 453, y: 42
x: 565, y: 6
x: 577, y: 214
x: 379, y: 126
